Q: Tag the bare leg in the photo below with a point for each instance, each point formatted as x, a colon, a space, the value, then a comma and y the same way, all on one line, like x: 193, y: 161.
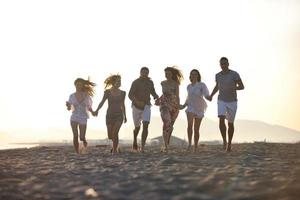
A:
x: 167, y: 125
x: 190, y: 119
x: 135, y: 134
x: 230, y: 135
x: 109, y: 128
x: 144, y: 134
x: 115, y: 129
x: 74, y: 126
x: 174, y: 116
x: 82, y: 129
x: 196, y: 132
x: 222, y: 128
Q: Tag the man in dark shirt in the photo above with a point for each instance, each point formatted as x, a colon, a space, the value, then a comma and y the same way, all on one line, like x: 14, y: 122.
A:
x: 139, y: 94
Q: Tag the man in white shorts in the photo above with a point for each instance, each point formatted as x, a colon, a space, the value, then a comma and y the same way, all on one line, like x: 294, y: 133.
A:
x: 227, y: 83
x: 139, y: 94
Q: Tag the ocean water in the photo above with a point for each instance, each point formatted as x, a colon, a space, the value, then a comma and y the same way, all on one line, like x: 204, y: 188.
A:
x: 16, y: 146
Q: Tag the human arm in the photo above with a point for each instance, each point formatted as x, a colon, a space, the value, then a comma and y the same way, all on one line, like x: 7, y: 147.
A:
x: 239, y: 84
x: 215, y: 90
x: 177, y: 93
x: 124, y: 108
x: 205, y: 91
x: 95, y: 113
x: 68, y: 104
x: 132, y: 95
x: 153, y: 92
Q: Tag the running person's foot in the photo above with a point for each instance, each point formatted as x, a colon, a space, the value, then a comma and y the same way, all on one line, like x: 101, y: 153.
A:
x: 135, y: 146
x: 85, y: 144
x: 228, y: 148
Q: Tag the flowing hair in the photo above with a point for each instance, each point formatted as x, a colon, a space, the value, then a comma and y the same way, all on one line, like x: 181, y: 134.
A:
x: 88, y: 86
x: 176, y: 74
x: 111, y: 80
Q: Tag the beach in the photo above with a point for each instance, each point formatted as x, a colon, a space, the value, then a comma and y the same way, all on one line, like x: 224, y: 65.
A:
x: 251, y: 171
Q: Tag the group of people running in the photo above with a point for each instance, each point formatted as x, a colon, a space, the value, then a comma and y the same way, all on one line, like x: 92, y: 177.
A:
x: 227, y: 83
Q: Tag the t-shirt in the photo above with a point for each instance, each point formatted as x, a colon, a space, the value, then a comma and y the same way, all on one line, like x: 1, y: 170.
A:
x: 227, y: 85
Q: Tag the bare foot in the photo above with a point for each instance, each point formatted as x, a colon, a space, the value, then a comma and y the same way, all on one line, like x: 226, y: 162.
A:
x: 195, y: 149
x: 164, y: 149
x: 224, y: 145
x: 85, y: 144
x: 228, y: 149
x: 188, y: 149
x: 135, y: 146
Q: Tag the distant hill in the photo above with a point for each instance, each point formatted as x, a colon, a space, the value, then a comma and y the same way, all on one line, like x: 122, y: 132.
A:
x: 245, y: 131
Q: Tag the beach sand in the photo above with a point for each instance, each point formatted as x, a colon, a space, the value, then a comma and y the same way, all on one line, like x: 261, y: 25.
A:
x: 250, y: 171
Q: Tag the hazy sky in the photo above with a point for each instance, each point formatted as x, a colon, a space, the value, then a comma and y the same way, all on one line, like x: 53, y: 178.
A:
x: 46, y: 45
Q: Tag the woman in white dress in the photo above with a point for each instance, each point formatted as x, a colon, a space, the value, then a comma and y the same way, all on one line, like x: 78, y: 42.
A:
x: 80, y: 103
x: 196, y: 106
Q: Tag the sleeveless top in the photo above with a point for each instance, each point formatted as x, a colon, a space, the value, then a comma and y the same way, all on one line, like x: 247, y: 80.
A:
x: 114, y: 102
x: 168, y: 89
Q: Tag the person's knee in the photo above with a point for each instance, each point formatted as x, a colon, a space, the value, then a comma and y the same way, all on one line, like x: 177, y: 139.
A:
x: 136, y: 129
x: 145, y: 124
x: 230, y: 125
x: 222, y: 119
x: 82, y: 138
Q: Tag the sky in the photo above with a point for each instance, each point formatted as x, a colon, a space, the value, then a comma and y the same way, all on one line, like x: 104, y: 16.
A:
x: 46, y: 45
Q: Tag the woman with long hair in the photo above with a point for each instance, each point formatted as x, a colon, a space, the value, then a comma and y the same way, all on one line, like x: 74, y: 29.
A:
x: 116, y: 112
x: 169, y: 102
x: 196, y: 106
x: 80, y: 103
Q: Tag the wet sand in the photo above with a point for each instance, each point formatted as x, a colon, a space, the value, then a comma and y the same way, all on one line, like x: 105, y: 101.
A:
x: 250, y: 171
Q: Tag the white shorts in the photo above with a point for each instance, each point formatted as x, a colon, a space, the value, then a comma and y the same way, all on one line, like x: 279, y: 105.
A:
x: 79, y: 119
x: 227, y: 109
x: 140, y: 115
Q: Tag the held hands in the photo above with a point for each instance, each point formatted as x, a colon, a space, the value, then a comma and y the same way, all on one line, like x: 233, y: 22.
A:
x: 157, y: 102
x: 95, y: 113
x: 182, y: 106
x: 209, y: 98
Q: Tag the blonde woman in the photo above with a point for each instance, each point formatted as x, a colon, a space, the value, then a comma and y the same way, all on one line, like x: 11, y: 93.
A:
x: 80, y: 103
x: 169, y: 102
x: 116, y: 112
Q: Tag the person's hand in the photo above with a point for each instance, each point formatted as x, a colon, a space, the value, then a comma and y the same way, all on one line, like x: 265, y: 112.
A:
x: 139, y: 103
x: 68, y: 105
x: 209, y: 98
x: 125, y: 119
x: 95, y: 113
x: 181, y: 107
x: 157, y: 102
